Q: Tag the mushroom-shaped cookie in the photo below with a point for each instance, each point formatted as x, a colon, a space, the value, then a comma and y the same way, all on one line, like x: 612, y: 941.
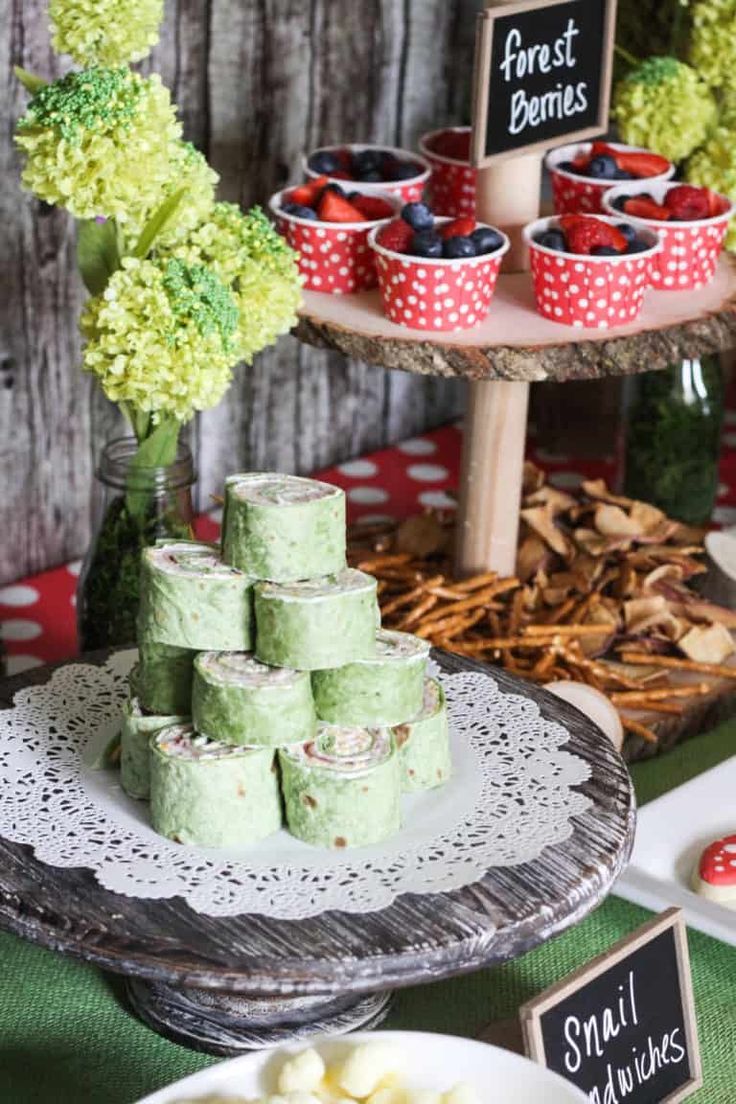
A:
x: 715, y: 874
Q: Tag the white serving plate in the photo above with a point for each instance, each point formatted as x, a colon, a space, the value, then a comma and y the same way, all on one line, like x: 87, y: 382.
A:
x: 671, y: 833
x: 430, y: 1062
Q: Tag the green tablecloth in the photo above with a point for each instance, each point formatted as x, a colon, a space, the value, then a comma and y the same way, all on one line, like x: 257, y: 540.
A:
x: 66, y: 1038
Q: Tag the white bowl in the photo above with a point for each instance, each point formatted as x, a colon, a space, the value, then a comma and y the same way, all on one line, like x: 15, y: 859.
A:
x: 430, y: 1062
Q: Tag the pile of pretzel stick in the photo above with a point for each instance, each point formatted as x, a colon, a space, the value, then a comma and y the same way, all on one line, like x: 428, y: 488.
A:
x: 603, y: 594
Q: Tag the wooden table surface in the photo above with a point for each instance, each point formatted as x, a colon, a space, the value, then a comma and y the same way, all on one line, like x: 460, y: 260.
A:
x: 419, y: 938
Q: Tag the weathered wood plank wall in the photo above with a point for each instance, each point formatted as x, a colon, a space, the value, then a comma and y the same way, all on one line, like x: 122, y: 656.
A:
x: 258, y: 83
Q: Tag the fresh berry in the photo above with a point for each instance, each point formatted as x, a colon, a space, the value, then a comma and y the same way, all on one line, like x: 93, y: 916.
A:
x: 405, y: 170
x: 367, y: 161
x: 603, y: 167
x: 716, y: 205
x: 638, y: 246
x: 396, y: 235
x: 373, y: 207
x: 373, y: 177
x: 642, y: 164
x: 458, y: 247
x: 552, y: 239
x: 645, y: 208
x: 627, y: 230
x: 584, y: 234
x: 566, y: 166
x: 427, y: 243
x: 600, y: 149
x: 486, y: 240
x: 418, y: 215
x: 340, y: 174
x: 335, y: 208
x: 306, y: 194
x: 334, y: 187
x: 605, y: 251
x: 687, y: 204
x: 324, y: 162
x: 621, y: 174
x: 458, y: 228
x: 452, y: 143
x: 619, y: 202
x: 298, y: 211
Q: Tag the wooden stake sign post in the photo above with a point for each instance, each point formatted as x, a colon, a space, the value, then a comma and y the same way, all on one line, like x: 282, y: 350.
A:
x: 542, y: 75
x: 622, y: 1028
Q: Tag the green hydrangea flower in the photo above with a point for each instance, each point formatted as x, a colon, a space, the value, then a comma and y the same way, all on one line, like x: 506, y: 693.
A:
x: 713, y: 42
x: 249, y: 255
x: 664, y: 106
x: 99, y: 142
x: 105, y: 32
x: 727, y: 109
x: 714, y: 166
x: 162, y: 337
x: 188, y: 169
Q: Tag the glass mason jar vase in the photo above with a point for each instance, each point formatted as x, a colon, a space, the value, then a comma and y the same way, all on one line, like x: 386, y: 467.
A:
x: 134, y: 506
x: 673, y: 439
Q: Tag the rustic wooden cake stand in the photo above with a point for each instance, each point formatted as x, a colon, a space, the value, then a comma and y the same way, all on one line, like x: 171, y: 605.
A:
x: 500, y: 357
x: 225, y: 985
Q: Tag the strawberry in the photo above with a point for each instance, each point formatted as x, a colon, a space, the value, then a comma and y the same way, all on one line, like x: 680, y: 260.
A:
x: 716, y: 205
x: 687, y: 203
x: 598, y: 149
x: 644, y: 207
x: 396, y: 235
x: 335, y: 208
x: 340, y: 174
x: 584, y: 234
x: 641, y: 164
x: 306, y: 194
x: 458, y: 228
x: 452, y: 144
x: 373, y: 207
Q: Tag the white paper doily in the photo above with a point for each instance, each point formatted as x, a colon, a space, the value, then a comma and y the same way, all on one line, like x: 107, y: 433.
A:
x: 510, y: 796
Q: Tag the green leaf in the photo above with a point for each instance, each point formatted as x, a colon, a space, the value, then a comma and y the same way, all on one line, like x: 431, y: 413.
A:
x: 156, y: 223
x: 158, y: 450
x: 98, y: 255
x: 30, y: 81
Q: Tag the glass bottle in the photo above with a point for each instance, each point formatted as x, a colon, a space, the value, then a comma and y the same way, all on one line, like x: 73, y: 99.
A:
x: 133, y: 507
x: 673, y: 438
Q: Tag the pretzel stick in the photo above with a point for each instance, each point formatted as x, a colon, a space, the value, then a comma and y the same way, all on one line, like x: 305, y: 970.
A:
x: 567, y: 630
x: 479, y: 598
x: 416, y: 614
x: 663, y: 692
x: 639, y: 729
x: 391, y: 559
x: 651, y: 706
x: 451, y: 626
x: 719, y: 670
x: 477, y: 581
x: 408, y: 597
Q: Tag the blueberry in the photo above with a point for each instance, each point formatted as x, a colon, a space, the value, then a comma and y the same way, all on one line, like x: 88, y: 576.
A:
x: 373, y: 177
x: 298, y: 211
x: 567, y: 166
x: 627, y: 230
x: 622, y: 174
x: 604, y: 251
x: 334, y: 188
x: 552, y: 239
x: 324, y: 162
x: 405, y: 170
x: 486, y: 240
x: 638, y: 246
x: 603, y: 167
x: 426, y: 244
x: 458, y: 247
x: 418, y: 215
x: 367, y: 161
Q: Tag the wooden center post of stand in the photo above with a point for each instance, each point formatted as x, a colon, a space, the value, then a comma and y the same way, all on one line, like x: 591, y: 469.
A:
x: 508, y: 196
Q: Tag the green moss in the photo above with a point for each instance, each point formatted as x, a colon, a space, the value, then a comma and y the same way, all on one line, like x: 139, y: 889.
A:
x: 92, y: 99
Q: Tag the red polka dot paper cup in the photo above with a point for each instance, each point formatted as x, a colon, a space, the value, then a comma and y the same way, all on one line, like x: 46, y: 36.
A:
x: 333, y: 256
x: 440, y: 294
x: 597, y: 293
x: 409, y: 191
x: 579, y: 195
x: 690, y: 250
x: 452, y: 185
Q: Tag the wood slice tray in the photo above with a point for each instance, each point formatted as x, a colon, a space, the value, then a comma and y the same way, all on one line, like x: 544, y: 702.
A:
x: 517, y: 343
x: 232, y: 983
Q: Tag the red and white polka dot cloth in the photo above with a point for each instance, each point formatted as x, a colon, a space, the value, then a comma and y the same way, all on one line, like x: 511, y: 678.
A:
x: 37, y: 614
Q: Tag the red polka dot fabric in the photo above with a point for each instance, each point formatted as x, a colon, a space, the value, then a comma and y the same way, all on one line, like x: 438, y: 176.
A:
x: 37, y: 614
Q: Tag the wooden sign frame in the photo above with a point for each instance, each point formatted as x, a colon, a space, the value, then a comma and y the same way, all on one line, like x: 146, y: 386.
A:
x: 532, y: 1012
x: 482, y: 76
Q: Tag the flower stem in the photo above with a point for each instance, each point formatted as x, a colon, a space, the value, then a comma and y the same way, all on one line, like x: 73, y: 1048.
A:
x: 633, y: 62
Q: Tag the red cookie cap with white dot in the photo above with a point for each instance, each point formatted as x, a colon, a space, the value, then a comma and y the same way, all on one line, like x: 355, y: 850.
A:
x: 718, y: 863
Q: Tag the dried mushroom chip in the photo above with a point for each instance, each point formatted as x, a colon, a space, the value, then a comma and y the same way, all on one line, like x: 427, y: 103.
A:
x: 707, y: 643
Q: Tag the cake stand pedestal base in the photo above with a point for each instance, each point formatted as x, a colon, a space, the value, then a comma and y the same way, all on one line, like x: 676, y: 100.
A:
x: 227, y: 1023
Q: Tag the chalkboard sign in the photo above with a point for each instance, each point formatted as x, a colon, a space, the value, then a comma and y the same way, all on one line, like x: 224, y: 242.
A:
x: 542, y: 76
x: 622, y: 1028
